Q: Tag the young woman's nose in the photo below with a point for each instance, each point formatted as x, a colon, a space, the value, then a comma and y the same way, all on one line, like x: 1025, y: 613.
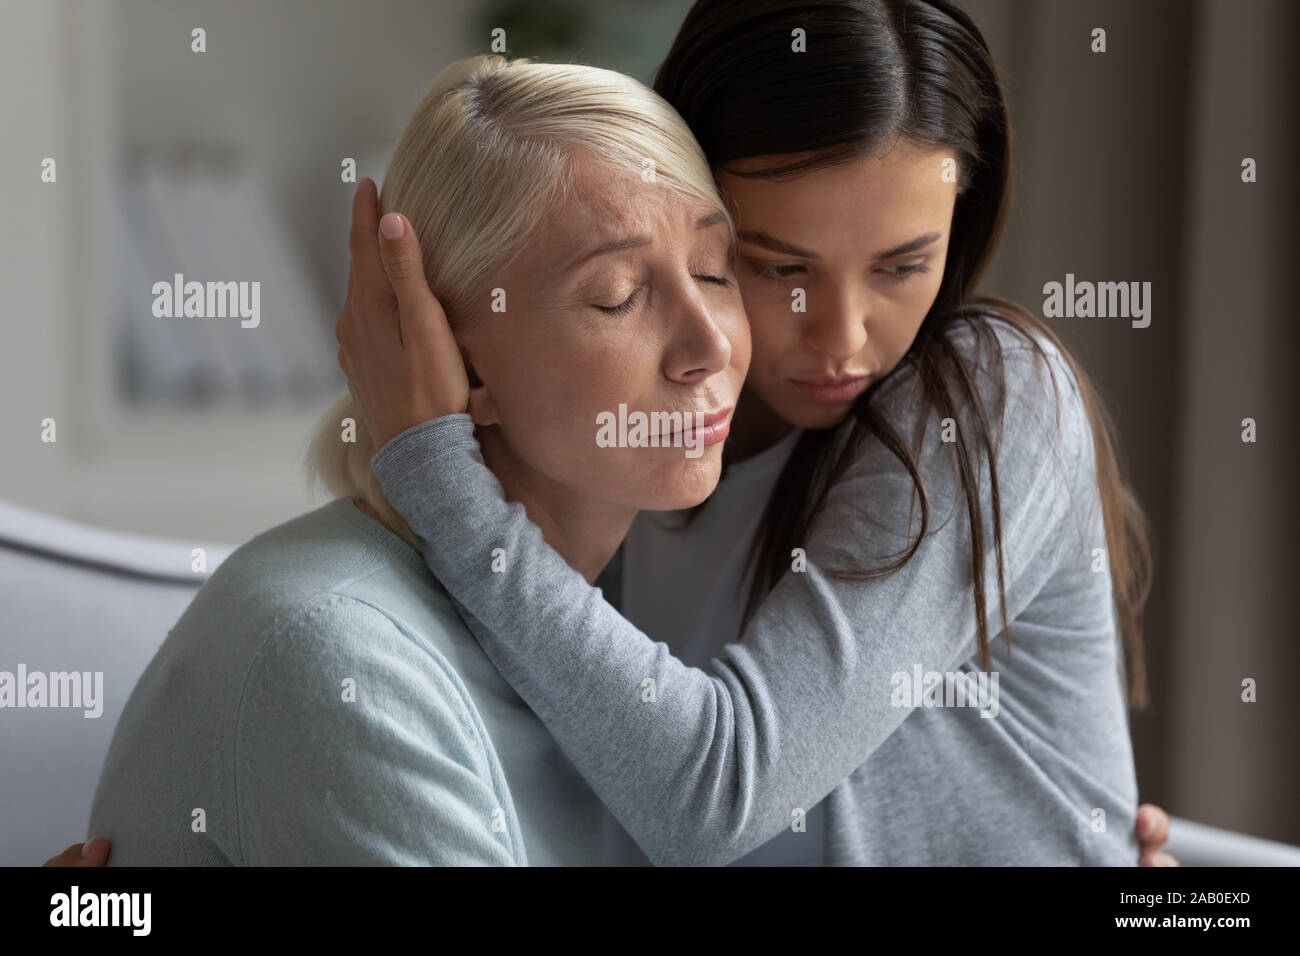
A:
x: 837, y: 324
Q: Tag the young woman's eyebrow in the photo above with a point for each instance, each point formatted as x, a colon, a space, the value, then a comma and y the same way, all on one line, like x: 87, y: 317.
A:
x: 910, y: 246
x: 768, y: 241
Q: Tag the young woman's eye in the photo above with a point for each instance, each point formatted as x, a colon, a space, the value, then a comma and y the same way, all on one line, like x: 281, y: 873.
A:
x: 624, y: 307
x: 775, y: 271
x: 900, y: 273
x: 715, y: 280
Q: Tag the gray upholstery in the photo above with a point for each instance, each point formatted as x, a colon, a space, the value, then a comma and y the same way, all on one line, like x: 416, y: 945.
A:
x: 75, y: 598
x: 1195, y: 844
x: 78, y: 598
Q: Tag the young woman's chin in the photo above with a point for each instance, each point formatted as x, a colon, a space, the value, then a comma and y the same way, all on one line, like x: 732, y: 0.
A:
x: 802, y: 411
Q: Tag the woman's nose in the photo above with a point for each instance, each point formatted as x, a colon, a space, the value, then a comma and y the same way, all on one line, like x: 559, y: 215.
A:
x: 837, y: 327
x: 701, y: 346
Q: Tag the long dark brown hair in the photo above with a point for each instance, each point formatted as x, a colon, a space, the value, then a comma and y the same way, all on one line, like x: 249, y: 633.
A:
x: 876, y: 70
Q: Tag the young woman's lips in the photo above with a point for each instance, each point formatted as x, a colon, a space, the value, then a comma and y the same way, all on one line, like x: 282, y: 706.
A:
x: 832, y: 390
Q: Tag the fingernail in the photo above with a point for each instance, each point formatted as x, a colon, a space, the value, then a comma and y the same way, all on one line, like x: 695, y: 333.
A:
x: 85, y: 848
x: 392, y: 226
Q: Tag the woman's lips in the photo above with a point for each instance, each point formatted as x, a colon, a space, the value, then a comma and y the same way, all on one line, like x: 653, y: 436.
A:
x: 832, y: 389
x: 706, y: 435
x: 706, y: 429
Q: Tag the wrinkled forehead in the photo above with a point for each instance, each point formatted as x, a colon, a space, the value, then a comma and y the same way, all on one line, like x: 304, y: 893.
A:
x: 605, y: 204
x: 613, y: 199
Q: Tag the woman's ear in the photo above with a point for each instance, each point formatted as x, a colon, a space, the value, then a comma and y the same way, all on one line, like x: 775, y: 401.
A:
x: 482, y: 408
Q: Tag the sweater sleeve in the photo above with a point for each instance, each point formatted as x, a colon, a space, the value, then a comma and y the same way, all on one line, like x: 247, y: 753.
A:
x: 355, y: 746
x: 702, y: 766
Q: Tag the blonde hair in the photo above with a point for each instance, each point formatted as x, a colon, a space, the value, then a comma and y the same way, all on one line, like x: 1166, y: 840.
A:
x: 492, y: 148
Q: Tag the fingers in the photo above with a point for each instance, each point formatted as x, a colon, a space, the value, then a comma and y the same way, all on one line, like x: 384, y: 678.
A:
x: 68, y: 857
x: 95, y: 852
x: 367, y: 267
x: 343, y: 326
x: 403, y: 364
x: 426, y: 332
x: 404, y: 263
x: 1152, y: 826
x: 1153, y: 832
x: 91, y: 853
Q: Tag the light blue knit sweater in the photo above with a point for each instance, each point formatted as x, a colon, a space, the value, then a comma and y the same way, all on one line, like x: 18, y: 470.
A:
x: 320, y: 702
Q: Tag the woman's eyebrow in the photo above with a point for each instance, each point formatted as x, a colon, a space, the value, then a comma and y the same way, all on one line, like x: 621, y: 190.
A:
x: 768, y: 241
x: 632, y: 242
x: 616, y: 245
x: 910, y: 246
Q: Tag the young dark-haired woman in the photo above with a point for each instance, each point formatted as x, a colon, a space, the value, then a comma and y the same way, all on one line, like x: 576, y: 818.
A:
x: 924, y: 549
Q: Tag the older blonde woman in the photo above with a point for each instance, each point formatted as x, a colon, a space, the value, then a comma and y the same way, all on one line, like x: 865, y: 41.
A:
x: 321, y: 701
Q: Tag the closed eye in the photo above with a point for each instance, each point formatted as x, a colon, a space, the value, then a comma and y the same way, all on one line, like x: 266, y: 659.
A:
x: 624, y: 307
x: 715, y: 280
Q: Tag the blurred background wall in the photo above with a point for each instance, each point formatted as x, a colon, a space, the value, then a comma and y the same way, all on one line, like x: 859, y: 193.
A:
x: 226, y: 164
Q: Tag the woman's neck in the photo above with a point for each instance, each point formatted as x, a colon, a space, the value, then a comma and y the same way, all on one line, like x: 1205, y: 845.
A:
x: 754, y: 428
x: 585, y: 533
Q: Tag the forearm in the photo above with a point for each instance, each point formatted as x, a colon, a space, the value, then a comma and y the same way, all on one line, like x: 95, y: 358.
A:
x: 699, y: 767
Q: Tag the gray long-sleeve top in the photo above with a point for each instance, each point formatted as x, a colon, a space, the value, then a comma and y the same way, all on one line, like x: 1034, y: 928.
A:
x: 837, y: 687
